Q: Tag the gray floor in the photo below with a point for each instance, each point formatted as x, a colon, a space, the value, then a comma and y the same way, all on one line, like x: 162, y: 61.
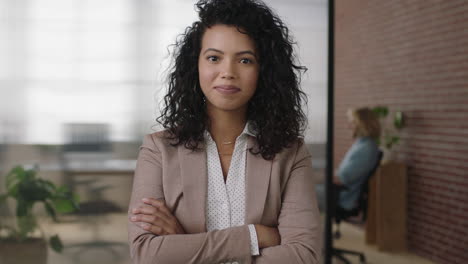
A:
x: 353, y: 238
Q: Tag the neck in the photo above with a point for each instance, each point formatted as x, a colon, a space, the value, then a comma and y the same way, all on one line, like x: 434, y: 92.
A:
x: 226, y: 126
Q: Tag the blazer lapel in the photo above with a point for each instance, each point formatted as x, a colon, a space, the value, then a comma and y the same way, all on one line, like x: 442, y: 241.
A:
x: 258, y: 172
x: 195, y: 181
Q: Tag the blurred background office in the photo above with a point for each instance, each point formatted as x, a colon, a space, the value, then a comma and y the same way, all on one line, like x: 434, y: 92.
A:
x: 82, y: 81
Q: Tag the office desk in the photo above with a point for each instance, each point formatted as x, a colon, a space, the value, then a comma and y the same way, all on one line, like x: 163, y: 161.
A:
x: 96, y: 177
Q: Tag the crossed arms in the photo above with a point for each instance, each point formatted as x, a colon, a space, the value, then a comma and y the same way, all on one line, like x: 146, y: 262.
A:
x: 297, y: 222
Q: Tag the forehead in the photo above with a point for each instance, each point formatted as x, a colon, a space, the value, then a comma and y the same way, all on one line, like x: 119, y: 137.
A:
x: 226, y: 38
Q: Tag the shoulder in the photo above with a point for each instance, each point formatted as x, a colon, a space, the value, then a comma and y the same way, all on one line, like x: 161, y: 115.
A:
x: 364, y: 147
x: 367, y: 143
x: 297, y: 150
x: 160, y: 140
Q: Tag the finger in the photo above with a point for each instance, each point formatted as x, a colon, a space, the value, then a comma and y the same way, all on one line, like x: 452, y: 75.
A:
x: 144, y: 209
x: 154, y: 201
x: 157, y: 230
x: 160, y: 220
x: 152, y: 211
x: 145, y: 220
x: 158, y: 203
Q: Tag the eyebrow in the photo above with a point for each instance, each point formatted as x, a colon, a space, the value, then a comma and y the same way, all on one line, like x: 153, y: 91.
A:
x: 237, y: 53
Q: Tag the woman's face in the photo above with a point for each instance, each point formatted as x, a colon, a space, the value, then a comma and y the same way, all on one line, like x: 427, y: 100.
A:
x: 351, y: 121
x: 228, y: 68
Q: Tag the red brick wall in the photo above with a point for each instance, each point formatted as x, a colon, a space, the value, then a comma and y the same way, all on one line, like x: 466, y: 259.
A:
x: 413, y: 56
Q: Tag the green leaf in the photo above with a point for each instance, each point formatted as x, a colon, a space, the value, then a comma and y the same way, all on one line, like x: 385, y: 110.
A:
x: 22, y: 208
x: 63, y: 205
x: 381, y: 111
x: 29, y: 174
x: 390, y: 141
x: 50, y: 210
x: 13, y: 191
x: 26, y: 225
x: 14, y: 176
x: 56, y: 244
x: 62, y: 190
x: 398, y: 121
x: 48, y: 186
x: 33, y: 190
x: 65, y: 201
x: 76, y: 201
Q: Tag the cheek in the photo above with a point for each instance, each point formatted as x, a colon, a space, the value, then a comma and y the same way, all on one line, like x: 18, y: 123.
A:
x: 206, y: 75
x: 252, y: 81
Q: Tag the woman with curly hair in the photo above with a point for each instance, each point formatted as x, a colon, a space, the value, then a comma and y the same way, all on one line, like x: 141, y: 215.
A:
x: 229, y: 179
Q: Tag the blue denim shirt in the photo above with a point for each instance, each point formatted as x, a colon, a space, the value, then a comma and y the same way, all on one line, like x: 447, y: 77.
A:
x: 355, y: 167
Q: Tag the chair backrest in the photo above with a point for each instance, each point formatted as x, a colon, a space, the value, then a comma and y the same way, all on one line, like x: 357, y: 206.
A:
x: 364, y: 194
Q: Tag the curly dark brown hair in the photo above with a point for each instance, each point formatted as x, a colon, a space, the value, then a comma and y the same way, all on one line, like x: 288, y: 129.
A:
x: 275, y: 110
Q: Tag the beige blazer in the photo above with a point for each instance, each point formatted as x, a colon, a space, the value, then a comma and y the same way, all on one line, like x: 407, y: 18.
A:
x: 278, y: 193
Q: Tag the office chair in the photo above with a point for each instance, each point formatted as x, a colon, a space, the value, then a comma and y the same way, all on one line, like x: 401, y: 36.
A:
x: 360, y: 208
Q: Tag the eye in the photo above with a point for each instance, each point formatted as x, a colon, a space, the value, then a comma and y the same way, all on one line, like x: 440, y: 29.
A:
x: 246, y: 61
x: 212, y: 58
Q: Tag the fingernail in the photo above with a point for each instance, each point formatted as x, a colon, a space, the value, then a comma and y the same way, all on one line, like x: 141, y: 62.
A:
x: 133, y: 218
x: 145, y: 200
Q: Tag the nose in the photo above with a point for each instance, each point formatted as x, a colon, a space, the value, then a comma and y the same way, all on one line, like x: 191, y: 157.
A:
x: 228, y: 71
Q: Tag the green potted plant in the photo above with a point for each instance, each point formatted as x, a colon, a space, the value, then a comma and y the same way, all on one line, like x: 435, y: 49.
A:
x: 391, y: 124
x: 26, y: 242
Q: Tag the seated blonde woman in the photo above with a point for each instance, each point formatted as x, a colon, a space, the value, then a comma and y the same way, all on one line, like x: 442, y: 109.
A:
x: 358, y: 161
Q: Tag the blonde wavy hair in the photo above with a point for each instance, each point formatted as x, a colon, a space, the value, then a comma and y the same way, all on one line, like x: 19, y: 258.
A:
x: 366, y: 122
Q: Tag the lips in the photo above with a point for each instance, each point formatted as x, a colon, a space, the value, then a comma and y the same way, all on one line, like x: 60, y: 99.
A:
x: 227, y: 89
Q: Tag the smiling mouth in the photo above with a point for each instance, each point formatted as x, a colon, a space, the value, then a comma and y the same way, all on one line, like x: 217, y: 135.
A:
x: 227, y: 89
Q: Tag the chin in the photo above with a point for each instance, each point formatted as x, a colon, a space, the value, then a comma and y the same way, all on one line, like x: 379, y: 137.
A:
x: 228, y: 106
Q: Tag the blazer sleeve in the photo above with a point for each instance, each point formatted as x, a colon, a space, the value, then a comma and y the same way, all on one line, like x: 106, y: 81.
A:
x: 217, y: 246
x: 298, y: 222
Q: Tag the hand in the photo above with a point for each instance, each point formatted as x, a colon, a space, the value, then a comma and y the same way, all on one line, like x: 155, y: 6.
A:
x: 267, y: 236
x: 153, y: 216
